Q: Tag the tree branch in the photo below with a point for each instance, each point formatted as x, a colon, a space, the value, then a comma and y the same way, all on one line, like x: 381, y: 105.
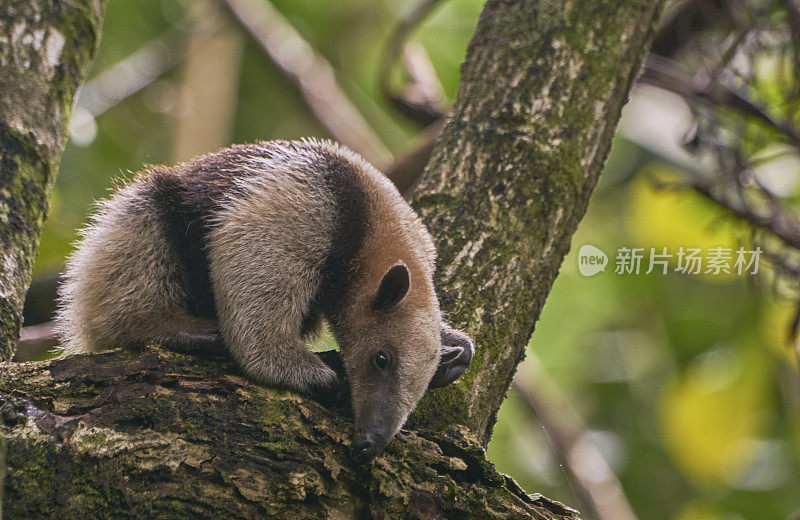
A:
x: 157, y: 434
x: 598, y: 488
x: 778, y: 221
x: 312, y: 73
x: 133, y: 73
x: 407, y: 168
x: 35, y: 340
x: 427, y: 105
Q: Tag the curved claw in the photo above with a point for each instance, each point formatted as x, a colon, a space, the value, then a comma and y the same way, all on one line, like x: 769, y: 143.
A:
x: 333, y: 359
x: 457, y: 353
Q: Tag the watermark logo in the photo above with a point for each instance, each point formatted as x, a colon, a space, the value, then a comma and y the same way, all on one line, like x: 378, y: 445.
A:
x: 686, y: 260
x: 591, y: 260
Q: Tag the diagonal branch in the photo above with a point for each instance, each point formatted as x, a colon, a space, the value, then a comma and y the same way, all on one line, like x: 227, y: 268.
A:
x: 425, y: 108
x: 312, y: 73
x: 598, y: 488
x: 133, y: 73
x: 660, y: 72
x: 779, y: 222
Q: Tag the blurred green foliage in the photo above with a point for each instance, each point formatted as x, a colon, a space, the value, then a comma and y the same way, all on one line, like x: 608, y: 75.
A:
x: 683, y: 382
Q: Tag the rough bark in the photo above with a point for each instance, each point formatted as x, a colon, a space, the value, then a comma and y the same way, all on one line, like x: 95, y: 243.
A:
x: 156, y: 434
x: 540, y: 95
x: 45, y: 50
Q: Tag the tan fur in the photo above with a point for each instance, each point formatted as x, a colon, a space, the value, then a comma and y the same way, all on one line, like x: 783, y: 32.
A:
x: 105, y: 300
x: 261, y: 310
x: 396, y: 236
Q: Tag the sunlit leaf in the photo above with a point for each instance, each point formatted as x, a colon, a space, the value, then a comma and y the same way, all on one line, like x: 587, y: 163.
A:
x: 697, y: 511
x: 712, y: 412
x: 660, y: 216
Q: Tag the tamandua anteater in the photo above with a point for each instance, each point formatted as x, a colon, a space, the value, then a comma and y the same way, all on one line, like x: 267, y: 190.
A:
x: 256, y: 244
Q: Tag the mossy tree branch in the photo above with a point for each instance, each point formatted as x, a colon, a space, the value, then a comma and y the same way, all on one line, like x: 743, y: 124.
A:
x: 45, y: 50
x: 540, y: 95
x: 157, y: 434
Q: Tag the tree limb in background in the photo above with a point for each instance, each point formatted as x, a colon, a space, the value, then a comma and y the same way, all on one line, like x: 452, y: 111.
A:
x: 44, y: 56
x: 423, y: 100
x: 209, y: 85
x: 35, y: 340
x: 409, y: 167
x: 313, y: 74
x: 597, y: 487
x: 777, y: 219
x: 130, y: 75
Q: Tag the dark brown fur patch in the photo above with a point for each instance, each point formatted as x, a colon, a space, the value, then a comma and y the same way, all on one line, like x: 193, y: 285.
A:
x: 188, y: 196
x: 342, y: 179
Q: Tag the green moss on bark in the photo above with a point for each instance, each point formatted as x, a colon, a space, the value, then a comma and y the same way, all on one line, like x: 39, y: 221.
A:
x: 43, y: 59
x: 128, y: 434
x: 540, y: 95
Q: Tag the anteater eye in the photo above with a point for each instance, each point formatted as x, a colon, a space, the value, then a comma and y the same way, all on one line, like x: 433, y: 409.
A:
x: 382, y: 360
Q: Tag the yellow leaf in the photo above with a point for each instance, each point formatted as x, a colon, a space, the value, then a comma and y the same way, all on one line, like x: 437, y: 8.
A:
x: 697, y: 511
x: 711, y: 414
x: 663, y: 217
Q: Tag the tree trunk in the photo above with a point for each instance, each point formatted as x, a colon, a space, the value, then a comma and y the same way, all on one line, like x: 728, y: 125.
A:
x: 45, y: 50
x: 540, y: 95
x: 161, y: 434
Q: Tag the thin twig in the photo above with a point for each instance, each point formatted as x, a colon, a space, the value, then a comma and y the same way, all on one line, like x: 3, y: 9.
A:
x: 312, y: 73
x: 35, y: 340
x: 778, y: 222
x: 424, y: 109
x: 596, y: 485
x: 660, y: 72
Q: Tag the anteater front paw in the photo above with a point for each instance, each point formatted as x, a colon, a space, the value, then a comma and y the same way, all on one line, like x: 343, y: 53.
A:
x: 326, y: 389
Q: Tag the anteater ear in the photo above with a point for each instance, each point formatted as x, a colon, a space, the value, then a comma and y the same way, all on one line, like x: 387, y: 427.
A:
x: 393, y: 288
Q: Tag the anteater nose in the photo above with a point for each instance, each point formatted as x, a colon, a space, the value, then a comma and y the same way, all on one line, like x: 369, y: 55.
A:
x: 365, y: 447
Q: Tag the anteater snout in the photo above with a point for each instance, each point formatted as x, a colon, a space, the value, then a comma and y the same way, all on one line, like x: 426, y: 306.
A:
x: 367, y: 445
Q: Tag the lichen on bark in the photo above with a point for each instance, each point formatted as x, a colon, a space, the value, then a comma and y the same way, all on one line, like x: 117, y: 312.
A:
x: 45, y: 50
x: 157, y: 434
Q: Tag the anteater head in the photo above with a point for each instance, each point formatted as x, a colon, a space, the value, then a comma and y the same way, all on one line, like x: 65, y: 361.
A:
x: 393, y: 351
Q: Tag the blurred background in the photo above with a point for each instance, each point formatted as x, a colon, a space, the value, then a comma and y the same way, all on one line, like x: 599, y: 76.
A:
x: 650, y: 396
